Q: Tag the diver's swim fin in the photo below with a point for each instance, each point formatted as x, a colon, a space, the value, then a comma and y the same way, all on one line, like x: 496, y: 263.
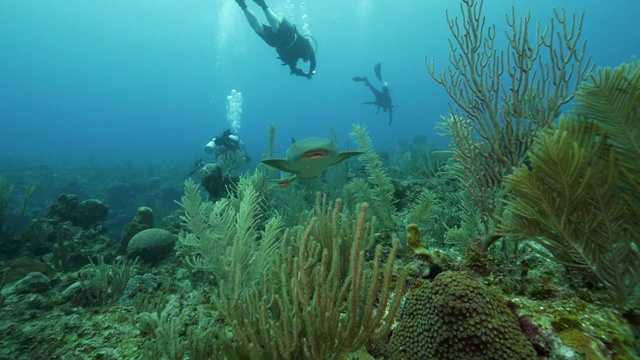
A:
x: 360, y: 78
x: 378, y: 70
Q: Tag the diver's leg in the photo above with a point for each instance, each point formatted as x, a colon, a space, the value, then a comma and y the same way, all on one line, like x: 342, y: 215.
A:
x: 366, y: 82
x: 251, y: 17
x: 377, y: 93
x: 242, y: 4
x: 273, y: 18
x: 256, y: 25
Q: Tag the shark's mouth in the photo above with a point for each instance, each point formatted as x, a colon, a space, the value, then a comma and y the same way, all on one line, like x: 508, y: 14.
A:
x: 315, y: 154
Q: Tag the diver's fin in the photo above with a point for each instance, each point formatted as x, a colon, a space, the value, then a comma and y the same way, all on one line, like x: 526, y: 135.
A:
x: 281, y: 164
x: 197, y: 165
x: 378, y: 70
x: 345, y: 155
x: 369, y: 103
x: 360, y: 78
x: 293, y: 140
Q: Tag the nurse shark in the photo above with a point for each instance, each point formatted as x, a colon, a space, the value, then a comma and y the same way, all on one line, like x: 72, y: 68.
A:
x: 308, y: 158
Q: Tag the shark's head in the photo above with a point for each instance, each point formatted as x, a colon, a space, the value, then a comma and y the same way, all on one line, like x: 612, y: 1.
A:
x: 308, y: 158
x: 312, y: 149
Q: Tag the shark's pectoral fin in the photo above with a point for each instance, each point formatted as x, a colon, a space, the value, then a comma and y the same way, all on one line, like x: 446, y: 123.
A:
x: 345, y: 155
x: 281, y: 164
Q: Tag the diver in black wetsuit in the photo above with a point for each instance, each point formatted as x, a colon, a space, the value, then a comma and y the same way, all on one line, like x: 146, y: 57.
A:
x: 383, y: 98
x: 285, y: 37
x: 227, y: 142
x: 223, y: 145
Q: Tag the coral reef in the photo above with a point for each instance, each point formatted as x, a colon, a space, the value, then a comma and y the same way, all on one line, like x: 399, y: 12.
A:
x: 143, y: 220
x: 502, y: 97
x: 86, y: 214
x: 151, y: 244
x: 215, y: 181
x: 21, y: 267
x: 578, y: 198
x: 414, y: 239
x: 102, y: 306
x: 457, y: 317
x: 560, y: 327
x: 303, y: 299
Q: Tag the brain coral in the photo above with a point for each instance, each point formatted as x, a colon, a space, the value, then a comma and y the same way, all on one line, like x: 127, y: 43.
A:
x: 151, y: 244
x: 457, y: 317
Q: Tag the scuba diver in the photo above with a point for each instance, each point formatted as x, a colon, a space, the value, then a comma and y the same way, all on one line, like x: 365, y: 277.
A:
x: 285, y: 37
x: 229, y: 150
x: 225, y: 143
x: 383, y: 98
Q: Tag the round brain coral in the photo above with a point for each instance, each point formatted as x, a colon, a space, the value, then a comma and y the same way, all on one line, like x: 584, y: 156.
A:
x: 457, y: 317
x: 151, y: 244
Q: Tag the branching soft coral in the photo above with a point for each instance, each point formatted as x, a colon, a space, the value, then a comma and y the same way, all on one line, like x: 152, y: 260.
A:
x: 579, y: 197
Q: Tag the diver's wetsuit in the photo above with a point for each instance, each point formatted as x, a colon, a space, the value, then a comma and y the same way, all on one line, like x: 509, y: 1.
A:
x: 383, y: 97
x: 225, y: 141
x: 229, y: 142
x: 291, y: 46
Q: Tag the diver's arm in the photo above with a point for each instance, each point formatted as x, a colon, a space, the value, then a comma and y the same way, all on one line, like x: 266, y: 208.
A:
x: 295, y: 70
x: 312, y: 64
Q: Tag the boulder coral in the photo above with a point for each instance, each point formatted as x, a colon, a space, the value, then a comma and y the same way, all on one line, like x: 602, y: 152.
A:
x: 457, y: 317
x: 151, y: 245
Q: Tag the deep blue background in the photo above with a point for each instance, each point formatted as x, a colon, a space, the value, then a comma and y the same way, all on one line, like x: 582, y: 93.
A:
x: 148, y: 79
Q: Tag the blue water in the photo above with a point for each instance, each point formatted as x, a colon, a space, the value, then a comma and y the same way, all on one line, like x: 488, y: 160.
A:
x: 148, y: 79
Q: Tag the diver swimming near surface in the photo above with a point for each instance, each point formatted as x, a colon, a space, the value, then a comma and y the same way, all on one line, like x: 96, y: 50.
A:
x: 383, y: 97
x: 290, y: 45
